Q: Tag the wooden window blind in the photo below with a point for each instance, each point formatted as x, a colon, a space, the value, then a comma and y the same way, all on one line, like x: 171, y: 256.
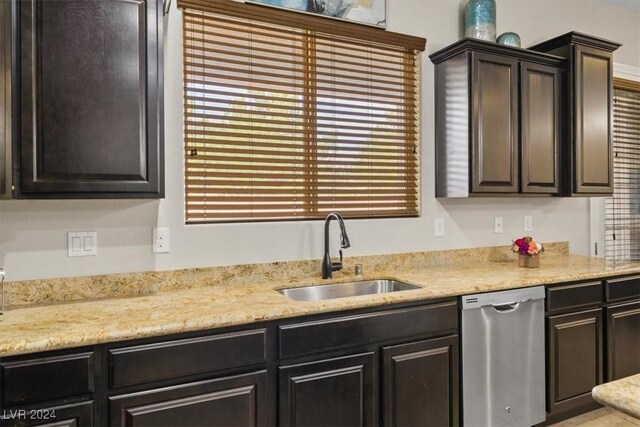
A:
x: 283, y: 122
x: 622, y: 211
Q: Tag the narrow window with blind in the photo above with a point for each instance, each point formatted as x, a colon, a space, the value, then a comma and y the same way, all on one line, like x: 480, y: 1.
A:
x: 622, y: 211
x: 285, y: 119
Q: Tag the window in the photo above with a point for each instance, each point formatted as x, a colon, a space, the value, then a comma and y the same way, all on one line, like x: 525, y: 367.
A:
x: 622, y: 211
x: 287, y: 117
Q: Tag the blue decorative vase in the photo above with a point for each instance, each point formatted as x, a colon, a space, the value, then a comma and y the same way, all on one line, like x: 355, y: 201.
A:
x: 480, y: 20
x: 509, y: 39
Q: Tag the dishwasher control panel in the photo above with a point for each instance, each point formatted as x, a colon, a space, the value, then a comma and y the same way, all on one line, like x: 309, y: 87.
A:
x: 502, y: 297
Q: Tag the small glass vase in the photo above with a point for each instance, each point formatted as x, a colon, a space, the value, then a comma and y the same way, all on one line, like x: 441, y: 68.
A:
x: 480, y: 20
x: 529, y: 261
x: 509, y: 39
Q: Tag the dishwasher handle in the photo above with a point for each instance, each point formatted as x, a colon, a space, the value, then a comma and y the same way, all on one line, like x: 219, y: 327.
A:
x: 509, y: 307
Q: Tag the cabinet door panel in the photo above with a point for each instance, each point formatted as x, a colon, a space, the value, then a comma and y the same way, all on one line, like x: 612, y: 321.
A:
x: 420, y: 383
x: 90, y: 97
x: 224, y: 402
x: 593, y: 155
x: 541, y: 107
x: 332, y: 392
x: 495, y: 123
x: 5, y: 99
x: 623, y: 341
x: 575, y: 359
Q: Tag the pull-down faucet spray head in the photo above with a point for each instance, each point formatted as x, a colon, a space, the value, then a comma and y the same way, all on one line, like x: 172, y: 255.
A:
x: 329, y: 266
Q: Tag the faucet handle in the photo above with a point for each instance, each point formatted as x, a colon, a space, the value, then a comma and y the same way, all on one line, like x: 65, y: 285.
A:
x: 337, y: 266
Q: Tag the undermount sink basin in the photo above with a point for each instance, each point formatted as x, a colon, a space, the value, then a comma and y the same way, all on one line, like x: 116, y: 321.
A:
x: 342, y: 290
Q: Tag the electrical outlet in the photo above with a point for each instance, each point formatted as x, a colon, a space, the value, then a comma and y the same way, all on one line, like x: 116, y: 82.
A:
x: 498, y: 225
x: 161, y: 240
x: 438, y: 227
x: 528, y: 223
x: 82, y: 243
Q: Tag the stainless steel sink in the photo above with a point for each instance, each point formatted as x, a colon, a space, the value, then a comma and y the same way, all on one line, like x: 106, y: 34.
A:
x: 342, y: 290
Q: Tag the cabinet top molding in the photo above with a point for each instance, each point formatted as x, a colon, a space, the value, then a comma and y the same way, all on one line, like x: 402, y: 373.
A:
x: 574, y: 37
x: 470, y: 44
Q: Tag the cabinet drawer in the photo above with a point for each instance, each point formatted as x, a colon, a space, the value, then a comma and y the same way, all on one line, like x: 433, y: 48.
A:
x: 41, y: 379
x: 174, y: 359
x: 624, y: 289
x: 350, y: 331
x: 221, y: 402
x: 579, y: 295
x: 74, y: 415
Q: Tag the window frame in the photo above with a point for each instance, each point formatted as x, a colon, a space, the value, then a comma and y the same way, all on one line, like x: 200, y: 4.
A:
x: 310, y: 210
x: 596, y: 205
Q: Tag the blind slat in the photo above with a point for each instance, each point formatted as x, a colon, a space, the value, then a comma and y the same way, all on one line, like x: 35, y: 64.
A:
x: 282, y: 137
x: 297, y: 120
x: 300, y: 185
x: 285, y: 146
x: 335, y: 108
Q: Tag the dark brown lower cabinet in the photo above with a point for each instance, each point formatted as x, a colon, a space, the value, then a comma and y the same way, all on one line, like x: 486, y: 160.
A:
x: 575, y: 364
x: 225, y: 402
x: 420, y: 383
x: 623, y: 340
x: 73, y: 415
x: 330, y: 392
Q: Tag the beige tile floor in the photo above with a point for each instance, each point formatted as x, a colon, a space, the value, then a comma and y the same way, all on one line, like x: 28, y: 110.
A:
x: 603, y: 417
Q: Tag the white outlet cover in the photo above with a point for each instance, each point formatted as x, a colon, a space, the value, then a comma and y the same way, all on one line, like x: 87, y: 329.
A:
x: 528, y: 223
x: 82, y: 243
x: 161, y: 240
x: 438, y: 227
x: 498, y: 225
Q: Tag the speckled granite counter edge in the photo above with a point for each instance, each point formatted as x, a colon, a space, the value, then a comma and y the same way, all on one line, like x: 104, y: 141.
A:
x: 622, y: 395
x: 58, y: 290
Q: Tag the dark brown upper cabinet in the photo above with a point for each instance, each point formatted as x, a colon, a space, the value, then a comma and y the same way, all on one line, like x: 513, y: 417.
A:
x: 588, y: 153
x: 498, y: 120
x: 5, y: 99
x: 89, y: 110
x: 494, y: 123
x: 540, y: 127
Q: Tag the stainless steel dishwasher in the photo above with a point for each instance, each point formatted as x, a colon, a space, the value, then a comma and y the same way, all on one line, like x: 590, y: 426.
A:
x: 503, y: 374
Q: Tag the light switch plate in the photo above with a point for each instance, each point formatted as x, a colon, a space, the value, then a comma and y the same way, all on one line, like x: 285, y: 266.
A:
x: 498, y: 225
x: 82, y: 243
x: 161, y: 240
x: 528, y: 223
x: 438, y: 227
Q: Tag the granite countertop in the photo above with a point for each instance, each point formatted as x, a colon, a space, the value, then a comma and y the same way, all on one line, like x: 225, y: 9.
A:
x: 622, y: 394
x: 225, y: 303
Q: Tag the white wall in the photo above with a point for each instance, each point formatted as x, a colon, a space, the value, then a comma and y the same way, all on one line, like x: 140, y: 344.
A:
x: 33, y: 233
